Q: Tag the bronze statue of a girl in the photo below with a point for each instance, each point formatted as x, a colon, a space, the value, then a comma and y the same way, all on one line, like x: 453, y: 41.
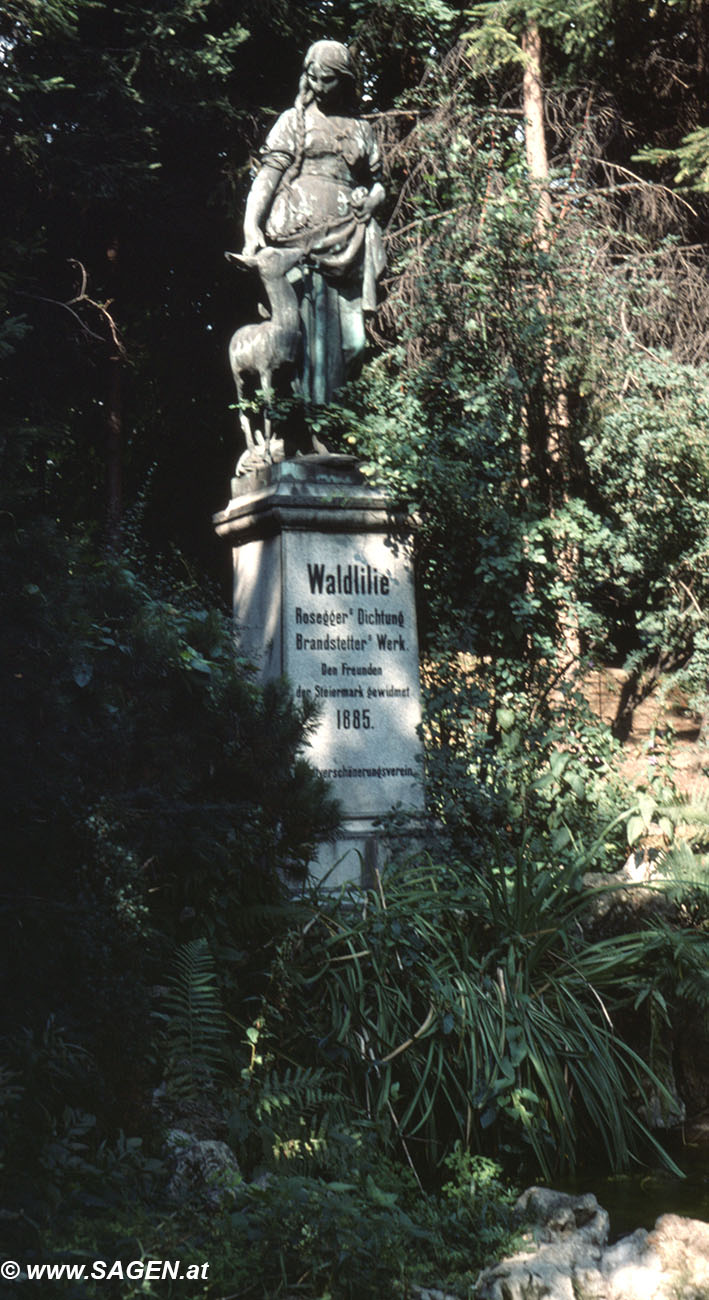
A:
x: 317, y: 189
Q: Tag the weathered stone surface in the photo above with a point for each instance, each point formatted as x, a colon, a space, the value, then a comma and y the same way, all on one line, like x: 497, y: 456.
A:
x: 683, y: 1246
x: 572, y: 1261
x: 557, y: 1215
x: 324, y: 593
x: 349, y: 633
x: 202, y: 1168
x: 669, y: 1263
x: 625, y: 900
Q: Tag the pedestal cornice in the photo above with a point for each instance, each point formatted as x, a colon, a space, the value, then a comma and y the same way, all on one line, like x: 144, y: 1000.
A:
x: 309, y: 493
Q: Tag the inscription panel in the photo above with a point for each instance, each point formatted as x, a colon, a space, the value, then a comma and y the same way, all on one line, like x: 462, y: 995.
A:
x: 349, y: 638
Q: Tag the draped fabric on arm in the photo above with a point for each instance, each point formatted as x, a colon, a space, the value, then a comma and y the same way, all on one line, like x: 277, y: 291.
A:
x: 312, y: 208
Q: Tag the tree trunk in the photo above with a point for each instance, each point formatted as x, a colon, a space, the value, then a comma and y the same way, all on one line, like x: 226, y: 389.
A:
x: 700, y: 21
x: 554, y: 455
x: 534, y: 138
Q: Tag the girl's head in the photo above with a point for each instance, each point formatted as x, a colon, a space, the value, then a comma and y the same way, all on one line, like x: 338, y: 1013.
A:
x: 328, y: 73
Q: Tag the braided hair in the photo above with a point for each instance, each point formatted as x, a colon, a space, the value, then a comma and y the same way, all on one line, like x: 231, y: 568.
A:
x: 332, y: 55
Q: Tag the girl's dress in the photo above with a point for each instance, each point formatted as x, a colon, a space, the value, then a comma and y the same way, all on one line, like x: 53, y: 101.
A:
x: 313, y: 209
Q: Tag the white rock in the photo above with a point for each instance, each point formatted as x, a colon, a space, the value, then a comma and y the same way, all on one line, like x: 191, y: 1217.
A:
x: 573, y: 1261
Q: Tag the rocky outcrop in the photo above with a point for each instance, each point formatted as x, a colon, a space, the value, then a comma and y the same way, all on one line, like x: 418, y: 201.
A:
x: 569, y: 1259
x: 201, y: 1169
x: 626, y: 900
x: 558, y: 1217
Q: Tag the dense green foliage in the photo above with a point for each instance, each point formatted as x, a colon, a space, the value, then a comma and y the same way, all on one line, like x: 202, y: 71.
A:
x: 468, y: 1005
x: 538, y: 393
x: 149, y: 790
x: 545, y: 419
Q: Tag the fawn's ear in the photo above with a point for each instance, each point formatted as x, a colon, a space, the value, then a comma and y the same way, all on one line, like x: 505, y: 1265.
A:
x: 246, y: 263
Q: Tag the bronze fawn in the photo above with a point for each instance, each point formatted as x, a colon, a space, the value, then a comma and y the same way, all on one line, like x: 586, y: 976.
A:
x: 265, y: 348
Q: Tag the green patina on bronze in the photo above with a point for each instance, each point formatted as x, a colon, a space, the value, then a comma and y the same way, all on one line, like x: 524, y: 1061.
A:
x: 317, y: 189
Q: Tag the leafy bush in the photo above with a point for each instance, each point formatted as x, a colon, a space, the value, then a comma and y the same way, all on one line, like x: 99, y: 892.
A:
x: 150, y: 792
x: 373, y: 1234
x: 338, y: 1238
x: 172, y: 785
x: 535, y: 758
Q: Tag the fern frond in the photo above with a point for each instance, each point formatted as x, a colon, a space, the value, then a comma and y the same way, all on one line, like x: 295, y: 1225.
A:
x: 685, y: 878
x: 195, y: 1026
x: 301, y: 1087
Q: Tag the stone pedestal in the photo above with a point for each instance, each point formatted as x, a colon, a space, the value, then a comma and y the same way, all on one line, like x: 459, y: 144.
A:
x: 324, y: 594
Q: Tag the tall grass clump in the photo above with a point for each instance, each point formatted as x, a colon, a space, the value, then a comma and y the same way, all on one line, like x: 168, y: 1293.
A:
x: 460, y: 1002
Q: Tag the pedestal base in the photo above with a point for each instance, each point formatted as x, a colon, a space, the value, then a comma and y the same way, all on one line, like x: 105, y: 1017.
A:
x: 323, y: 594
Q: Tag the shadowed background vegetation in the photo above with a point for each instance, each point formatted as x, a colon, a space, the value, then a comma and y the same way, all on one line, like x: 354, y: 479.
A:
x: 537, y: 391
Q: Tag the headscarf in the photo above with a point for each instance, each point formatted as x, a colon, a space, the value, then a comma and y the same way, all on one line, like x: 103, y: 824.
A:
x: 332, y: 55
